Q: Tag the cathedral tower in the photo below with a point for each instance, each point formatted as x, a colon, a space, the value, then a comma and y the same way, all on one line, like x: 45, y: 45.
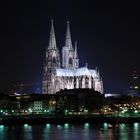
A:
x: 68, y: 52
x: 52, y: 62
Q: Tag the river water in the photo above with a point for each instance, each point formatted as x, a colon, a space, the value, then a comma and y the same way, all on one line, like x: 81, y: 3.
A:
x: 71, y: 132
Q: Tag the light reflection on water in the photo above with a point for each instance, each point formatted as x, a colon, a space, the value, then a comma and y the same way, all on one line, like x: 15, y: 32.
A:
x: 67, y: 131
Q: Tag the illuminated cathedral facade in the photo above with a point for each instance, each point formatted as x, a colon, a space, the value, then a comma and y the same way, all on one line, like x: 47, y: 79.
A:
x: 65, y: 73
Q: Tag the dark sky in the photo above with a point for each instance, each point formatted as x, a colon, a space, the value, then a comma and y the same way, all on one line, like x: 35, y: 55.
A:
x: 107, y: 32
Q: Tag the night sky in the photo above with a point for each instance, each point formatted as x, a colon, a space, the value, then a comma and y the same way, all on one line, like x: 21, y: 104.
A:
x: 107, y: 33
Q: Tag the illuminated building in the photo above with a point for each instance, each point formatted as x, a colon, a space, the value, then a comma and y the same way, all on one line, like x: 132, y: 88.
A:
x: 135, y: 81
x: 38, y: 106
x: 52, y: 104
x: 68, y: 75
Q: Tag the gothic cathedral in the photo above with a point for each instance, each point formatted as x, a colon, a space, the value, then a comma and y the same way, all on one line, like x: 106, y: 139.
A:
x: 68, y: 75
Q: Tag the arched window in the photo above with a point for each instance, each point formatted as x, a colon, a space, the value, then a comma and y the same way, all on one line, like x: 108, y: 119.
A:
x: 54, y: 60
x: 70, y: 61
x: 86, y: 82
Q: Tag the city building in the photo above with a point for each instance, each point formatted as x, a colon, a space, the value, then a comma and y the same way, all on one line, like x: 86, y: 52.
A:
x: 66, y: 102
x: 38, y: 106
x: 67, y: 75
x: 135, y: 81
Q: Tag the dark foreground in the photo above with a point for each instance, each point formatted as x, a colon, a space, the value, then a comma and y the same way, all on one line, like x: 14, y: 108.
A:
x: 61, y: 120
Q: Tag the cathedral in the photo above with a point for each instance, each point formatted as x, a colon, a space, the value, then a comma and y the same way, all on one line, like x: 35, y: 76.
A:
x: 65, y: 73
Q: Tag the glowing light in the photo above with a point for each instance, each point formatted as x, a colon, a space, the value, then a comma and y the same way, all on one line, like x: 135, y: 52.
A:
x: 59, y: 126
x: 85, y: 111
x: 30, y: 110
x: 66, y: 125
x: 136, y: 126
x: 136, y: 87
x: 66, y: 111
x: 105, y: 126
x: 48, y: 125
x: 70, y: 113
x: 1, y: 126
x: 136, y: 111
x: 86, y: 125
x: 25, y: 125
x: 54, y: 102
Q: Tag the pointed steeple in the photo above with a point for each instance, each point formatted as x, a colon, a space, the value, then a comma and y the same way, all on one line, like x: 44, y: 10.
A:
x: 75, y: 51
x: 68, y: 42
x: 52, y: 40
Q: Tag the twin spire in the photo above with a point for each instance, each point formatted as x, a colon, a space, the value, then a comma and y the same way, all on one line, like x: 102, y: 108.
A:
x: 68, y: 42
x: 52, y: 40
x: 69, y: 54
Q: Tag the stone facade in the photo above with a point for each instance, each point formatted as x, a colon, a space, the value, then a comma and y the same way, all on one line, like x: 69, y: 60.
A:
x: 68, y: 75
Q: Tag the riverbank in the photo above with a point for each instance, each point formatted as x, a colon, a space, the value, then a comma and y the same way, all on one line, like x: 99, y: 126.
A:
x: 71, y: 119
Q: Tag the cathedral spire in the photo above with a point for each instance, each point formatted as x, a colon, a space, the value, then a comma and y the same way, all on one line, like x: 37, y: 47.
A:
x: 68, y: 42
x: 52, y: 40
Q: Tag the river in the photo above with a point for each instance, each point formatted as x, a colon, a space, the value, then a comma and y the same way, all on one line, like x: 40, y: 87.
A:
x: 71, y: 132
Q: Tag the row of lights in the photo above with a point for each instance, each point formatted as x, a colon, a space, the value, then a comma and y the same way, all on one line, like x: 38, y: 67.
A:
x: 86, y: 125
x: 66, y: 125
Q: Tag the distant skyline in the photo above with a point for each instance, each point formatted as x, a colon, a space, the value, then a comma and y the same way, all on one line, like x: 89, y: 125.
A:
x: 107, y: 35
